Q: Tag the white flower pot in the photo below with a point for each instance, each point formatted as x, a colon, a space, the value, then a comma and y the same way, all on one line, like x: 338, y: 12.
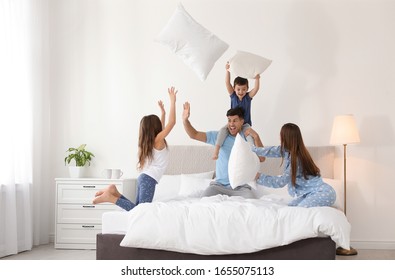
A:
x: 77, y: 171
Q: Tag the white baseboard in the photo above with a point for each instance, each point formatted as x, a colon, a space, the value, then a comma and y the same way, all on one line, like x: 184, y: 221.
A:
x: 374, y: 245
x: 52, y: 238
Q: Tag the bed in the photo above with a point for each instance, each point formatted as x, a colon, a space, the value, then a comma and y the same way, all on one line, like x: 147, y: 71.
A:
x: 178, y: 227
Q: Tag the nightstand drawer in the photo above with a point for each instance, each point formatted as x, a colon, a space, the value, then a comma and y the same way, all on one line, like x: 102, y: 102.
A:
x: 80, y: 193
x: 76, y: 234
x: 77, y: 220
x: 84, y: 213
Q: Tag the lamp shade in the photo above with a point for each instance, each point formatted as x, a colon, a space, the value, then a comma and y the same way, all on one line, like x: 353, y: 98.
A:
x: 344, y: 130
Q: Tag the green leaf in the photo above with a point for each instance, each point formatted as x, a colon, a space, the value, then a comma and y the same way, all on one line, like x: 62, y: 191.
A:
x: 80, y: 155
x: 82, y: 147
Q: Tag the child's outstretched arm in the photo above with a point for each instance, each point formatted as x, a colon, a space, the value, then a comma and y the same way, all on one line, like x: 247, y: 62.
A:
x: 163, y: 113
x: 257, y: 140
x: 159, y: 140
x: 229, y: 86
x: 254, y: 91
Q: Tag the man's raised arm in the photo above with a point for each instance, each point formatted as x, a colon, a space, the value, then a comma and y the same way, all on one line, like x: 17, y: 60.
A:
x: 190, y: 130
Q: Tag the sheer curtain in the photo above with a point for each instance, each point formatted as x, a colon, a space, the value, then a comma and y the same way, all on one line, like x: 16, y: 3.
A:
x: 24, y: 111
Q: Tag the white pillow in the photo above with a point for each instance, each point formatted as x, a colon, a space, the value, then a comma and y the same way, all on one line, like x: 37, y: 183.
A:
x: 167, y: 188
x: 248, y: 65
x: 204, y: 175
x: 192, y: 186
x: 337, y: 185
x: 191, y: 42
x: 243, y: 163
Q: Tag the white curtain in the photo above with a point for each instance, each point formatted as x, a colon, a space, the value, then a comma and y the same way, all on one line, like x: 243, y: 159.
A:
x: 24, y: 123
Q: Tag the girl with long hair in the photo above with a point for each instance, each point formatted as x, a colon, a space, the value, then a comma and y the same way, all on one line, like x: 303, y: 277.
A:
x: 153, y: 157
x: 301, y: 174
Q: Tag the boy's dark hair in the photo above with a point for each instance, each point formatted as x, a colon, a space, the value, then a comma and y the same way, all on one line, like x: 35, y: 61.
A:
x: 238, y: 111
x: 240, y: 81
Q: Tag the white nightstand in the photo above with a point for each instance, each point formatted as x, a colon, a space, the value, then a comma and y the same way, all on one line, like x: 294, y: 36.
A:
x: 77, y: 220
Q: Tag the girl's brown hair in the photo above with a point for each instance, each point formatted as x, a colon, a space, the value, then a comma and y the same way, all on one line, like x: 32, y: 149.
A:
x: 150, y: 127
x: 292, y: 141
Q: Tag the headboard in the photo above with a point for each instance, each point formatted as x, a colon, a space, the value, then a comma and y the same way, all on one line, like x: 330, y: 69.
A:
x: 198, y: 158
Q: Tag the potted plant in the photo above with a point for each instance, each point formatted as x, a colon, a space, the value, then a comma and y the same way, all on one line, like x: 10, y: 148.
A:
x: 81, y: 157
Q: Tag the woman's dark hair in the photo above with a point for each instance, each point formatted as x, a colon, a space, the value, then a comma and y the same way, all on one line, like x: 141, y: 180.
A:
x: 292, y: 141
x: 150, y: 126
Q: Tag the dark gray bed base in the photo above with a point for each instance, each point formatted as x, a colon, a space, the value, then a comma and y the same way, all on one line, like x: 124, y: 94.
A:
x: 107, y: 248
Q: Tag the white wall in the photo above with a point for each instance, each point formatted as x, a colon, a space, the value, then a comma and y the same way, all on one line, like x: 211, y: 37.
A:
x: 329, y: 57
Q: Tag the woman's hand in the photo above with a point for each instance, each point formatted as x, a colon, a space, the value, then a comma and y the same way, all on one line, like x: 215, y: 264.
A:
x: 250, y: 132
x: 257, y: 176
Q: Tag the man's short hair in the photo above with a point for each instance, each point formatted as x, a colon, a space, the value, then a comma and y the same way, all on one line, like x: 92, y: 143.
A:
x: 238, y: 111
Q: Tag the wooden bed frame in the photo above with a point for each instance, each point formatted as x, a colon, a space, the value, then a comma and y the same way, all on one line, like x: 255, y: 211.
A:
x: 320, y: 248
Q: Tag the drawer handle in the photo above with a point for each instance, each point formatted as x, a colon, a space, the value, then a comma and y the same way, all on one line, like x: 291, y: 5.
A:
x: 88, y: 206
x: 91, y: 187
x: 84, y: 226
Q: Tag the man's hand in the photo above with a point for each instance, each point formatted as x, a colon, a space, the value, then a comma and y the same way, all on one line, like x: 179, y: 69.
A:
x: 187, y: 111
x: 189, y: 129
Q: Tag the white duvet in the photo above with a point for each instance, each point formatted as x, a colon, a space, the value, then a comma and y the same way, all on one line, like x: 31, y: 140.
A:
x: 230, y: 225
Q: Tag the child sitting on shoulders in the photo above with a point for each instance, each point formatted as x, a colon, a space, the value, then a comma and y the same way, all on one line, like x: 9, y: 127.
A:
x: 239, y: 97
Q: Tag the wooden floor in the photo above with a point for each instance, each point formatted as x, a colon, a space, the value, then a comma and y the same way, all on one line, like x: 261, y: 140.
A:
x: 48, y: 252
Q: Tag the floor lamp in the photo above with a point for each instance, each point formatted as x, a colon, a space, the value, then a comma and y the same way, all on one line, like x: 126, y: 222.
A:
x: 344, y: 131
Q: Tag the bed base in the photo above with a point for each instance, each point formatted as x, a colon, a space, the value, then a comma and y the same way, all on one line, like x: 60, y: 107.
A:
x: 319, y: 248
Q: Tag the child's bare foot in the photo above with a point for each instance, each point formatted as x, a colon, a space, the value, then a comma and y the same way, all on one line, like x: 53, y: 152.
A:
x: 110, y: 194
x: 105, y: 197
x: 99, y: 193
x: 113, y: 190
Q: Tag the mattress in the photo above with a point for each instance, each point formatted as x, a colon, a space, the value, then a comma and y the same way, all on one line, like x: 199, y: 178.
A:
x: 115, y: 222
x: 224, y: 225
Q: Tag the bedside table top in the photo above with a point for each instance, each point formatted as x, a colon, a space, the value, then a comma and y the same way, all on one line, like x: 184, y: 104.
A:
x: 93, y: 179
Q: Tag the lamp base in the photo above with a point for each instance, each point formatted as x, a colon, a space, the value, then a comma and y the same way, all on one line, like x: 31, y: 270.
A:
x: 344, y: 252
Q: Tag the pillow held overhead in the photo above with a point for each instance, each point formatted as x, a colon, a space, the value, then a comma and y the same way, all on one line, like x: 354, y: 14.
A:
x: 243, y: 163
x: 248, y: 65
x: 190, y: 41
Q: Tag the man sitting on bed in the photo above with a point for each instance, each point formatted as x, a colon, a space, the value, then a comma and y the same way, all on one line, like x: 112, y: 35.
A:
x: 221, y: 184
